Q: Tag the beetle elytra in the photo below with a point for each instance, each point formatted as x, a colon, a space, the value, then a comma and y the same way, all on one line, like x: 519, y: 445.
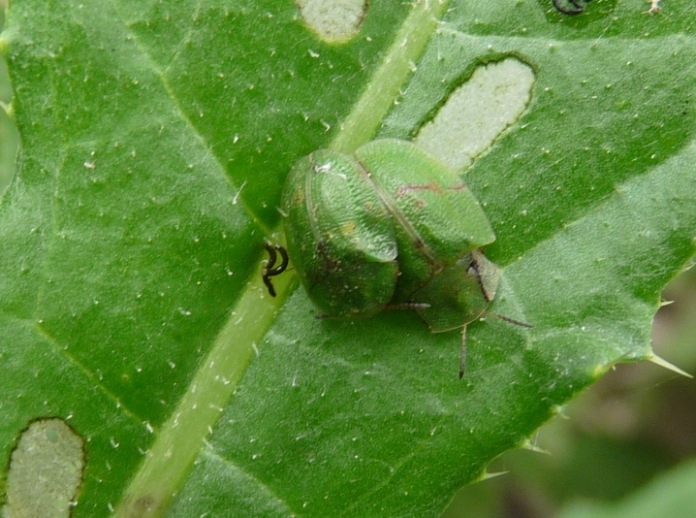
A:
x: 388, y: 227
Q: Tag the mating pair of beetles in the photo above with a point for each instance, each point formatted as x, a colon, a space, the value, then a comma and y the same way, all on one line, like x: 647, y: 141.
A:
x: 389, y: 227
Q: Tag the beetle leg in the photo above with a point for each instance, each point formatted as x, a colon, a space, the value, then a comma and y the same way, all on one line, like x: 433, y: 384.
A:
x: 509, y: 320
x: 462, y: 354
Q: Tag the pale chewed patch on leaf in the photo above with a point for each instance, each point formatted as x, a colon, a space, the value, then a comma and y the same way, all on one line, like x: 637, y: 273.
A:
x: 477, y: 112
x: 45, y: 471
x: 334, y: 21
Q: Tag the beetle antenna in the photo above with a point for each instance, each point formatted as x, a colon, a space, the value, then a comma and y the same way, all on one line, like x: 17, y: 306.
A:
x: 508, y: 319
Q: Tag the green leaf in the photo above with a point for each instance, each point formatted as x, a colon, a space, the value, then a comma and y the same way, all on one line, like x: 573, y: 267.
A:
x: 154, y: 143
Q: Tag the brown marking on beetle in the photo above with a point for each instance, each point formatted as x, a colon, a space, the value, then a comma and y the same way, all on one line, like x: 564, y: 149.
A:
x: 332, y: 264
x: 405, y: 189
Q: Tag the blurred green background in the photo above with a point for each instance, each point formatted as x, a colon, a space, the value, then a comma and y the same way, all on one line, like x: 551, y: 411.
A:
x: 626, y: 447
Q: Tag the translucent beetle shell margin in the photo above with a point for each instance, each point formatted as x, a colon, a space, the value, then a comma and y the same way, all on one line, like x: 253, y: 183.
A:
x: 389, y: 226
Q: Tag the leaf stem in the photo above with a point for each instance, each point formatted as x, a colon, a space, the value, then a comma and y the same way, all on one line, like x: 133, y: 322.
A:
x: 384, y: 87
x: 179, y: 441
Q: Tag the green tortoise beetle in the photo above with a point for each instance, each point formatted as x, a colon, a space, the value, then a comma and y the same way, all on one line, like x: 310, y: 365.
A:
x: 388, y: 227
